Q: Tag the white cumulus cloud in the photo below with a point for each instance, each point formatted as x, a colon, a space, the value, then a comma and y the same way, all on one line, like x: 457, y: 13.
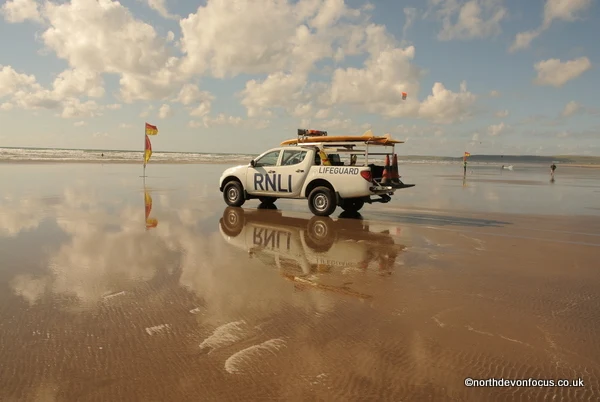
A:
x: 15, y: 11
x: 445, y: 106
x: 102, y: 36
x: 571, y: 108
x: 496, y: 129
x: 76, y: 82
x: 472, y: 19
x: 556, y: 73
x: 277, y: 90
x: 565, y: 10
x: 227, y: 40
x: 165, y: 112
x: 160, y: 7
x: 410, y: 15
x: 281, y: 42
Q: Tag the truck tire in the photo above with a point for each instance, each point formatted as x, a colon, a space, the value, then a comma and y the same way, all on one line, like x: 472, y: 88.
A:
x: 321, y: 201
x: 267, y: 200
x: 352, y: 204
x: 233, y: 194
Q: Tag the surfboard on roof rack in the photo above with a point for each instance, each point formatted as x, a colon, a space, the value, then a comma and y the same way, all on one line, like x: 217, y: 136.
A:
x: 367, y: 137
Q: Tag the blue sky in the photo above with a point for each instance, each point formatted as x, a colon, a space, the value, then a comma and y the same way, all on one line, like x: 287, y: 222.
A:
x: 492, y: 97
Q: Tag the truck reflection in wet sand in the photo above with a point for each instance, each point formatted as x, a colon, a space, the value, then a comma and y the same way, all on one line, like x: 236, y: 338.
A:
x: 303, y: 250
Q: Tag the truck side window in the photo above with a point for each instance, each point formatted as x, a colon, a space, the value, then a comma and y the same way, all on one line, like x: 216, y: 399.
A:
x: 268, y: 159
x: 335, y: 160
x: 293, y: 157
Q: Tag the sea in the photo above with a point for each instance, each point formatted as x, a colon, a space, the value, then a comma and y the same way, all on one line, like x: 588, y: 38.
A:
x: 113, y: 156
x: 11, y: 154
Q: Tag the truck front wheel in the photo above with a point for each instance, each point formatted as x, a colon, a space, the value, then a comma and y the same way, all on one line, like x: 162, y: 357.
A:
x: 233, y: 194
x: 352, y: 204
x: 321, y: 201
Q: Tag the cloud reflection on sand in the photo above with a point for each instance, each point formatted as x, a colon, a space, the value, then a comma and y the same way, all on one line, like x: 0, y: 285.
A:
x: 17, y: 216
x: 103, y: 250
x: 106, y: 252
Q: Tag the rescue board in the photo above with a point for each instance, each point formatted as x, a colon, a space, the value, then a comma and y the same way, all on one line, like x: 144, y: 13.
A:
x: 383, y: 140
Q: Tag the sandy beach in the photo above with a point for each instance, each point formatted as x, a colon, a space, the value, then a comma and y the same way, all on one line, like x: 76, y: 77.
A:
x: 490, y: 276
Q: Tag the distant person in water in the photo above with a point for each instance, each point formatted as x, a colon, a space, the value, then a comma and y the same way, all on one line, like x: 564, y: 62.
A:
x: 552, y: 169
x: 103, y: 154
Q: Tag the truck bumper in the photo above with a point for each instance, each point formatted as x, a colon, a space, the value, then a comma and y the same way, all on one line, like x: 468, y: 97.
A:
x: 381, y: 189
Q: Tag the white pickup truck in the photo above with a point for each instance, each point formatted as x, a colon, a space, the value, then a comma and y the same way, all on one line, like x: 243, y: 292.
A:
x: 314, y: 171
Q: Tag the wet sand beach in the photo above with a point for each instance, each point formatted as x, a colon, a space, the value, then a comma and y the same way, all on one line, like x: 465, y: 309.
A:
x: 490, y: 276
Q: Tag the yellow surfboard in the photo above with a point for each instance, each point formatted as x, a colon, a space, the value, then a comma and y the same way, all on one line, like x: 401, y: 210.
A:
x: 368, y: 136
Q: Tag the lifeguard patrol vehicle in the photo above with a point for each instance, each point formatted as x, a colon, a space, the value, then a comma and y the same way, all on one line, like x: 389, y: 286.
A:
x: 328, y: 171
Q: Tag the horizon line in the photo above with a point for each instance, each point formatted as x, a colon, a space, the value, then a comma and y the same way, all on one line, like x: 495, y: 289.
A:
x: 208, y: 152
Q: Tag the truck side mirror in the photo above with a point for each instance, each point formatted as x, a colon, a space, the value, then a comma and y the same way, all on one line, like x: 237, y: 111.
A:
x: 252, y: 163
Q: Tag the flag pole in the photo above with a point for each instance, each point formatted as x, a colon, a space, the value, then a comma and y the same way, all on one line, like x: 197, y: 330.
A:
x: 144, y: 157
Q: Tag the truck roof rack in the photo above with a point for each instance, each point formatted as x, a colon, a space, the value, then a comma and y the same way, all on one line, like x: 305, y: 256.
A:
x: 346, y: 143
x: 303, y: 133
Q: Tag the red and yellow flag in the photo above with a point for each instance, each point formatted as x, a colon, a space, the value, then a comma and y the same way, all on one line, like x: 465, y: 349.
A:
x: 151, y: 130
x: 147, y: 151
x: 467, y: 154
x: 150, y: 222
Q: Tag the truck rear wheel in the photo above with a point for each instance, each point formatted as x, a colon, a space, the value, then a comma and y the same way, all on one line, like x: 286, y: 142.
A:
x: 233, y: 194
x: 352, y: 204
x: 321, y: 201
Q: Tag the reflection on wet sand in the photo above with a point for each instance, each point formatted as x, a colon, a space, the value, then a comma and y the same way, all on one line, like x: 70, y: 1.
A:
x: 150, y: 222
x: 113, y: 298
x: 242, y: 304
x: 301, y: 248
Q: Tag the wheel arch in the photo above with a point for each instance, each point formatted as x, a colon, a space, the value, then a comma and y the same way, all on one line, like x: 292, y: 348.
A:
x: 230, y: 179
x: 317, y: 183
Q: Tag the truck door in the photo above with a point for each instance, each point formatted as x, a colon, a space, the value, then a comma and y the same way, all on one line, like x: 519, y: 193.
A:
x: 279, y: 173
x: 260, y: 179
x: 292, y: 171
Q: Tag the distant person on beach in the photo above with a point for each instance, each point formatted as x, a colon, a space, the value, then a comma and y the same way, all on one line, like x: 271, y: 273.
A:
x: 552, y: 169
x: 465, y: 167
